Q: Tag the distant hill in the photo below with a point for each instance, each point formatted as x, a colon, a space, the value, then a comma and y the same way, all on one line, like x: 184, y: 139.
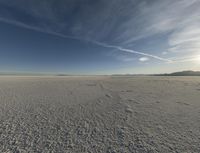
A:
x: 182, y: 73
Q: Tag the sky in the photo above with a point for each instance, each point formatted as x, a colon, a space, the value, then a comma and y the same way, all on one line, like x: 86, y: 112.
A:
x: 99, y: 37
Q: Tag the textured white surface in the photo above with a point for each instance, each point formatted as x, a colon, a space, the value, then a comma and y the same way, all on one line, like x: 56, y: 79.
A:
x: 100, y: 114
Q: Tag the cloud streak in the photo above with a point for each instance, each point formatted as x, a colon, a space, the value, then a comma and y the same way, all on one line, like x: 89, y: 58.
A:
x: 122, y: 24
x: 88, y: 40
x: 131, y: 51
x: 186, y: 59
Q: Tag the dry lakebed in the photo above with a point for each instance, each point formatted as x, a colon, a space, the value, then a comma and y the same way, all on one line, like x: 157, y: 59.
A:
x: 99, y: 114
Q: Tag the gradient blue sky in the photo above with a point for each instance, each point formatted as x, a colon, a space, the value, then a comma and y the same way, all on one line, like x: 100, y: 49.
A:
x: 99, y: 37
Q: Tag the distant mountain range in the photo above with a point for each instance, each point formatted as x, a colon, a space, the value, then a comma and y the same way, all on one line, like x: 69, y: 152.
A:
x: 182, y: 73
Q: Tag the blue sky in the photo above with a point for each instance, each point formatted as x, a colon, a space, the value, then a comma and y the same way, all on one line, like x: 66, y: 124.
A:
x: 99, y: 37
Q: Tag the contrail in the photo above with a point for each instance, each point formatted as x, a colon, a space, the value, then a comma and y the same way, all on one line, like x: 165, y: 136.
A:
x: 130, y: 51
x: 82, y: 39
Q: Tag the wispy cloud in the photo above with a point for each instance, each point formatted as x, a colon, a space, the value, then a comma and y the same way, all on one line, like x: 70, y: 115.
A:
x: 115, y: 22
x: 186, y: 39
x: 131, y: 51
x: 84, y: 39
x: 185, y: 59
x: 177, y: 19
x: 143, y: 59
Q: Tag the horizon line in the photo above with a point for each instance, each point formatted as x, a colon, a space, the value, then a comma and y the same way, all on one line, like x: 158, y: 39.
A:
x: 65, y: 74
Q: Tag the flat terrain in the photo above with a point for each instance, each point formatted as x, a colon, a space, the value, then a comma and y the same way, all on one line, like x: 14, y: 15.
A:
x: 100, y: 114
